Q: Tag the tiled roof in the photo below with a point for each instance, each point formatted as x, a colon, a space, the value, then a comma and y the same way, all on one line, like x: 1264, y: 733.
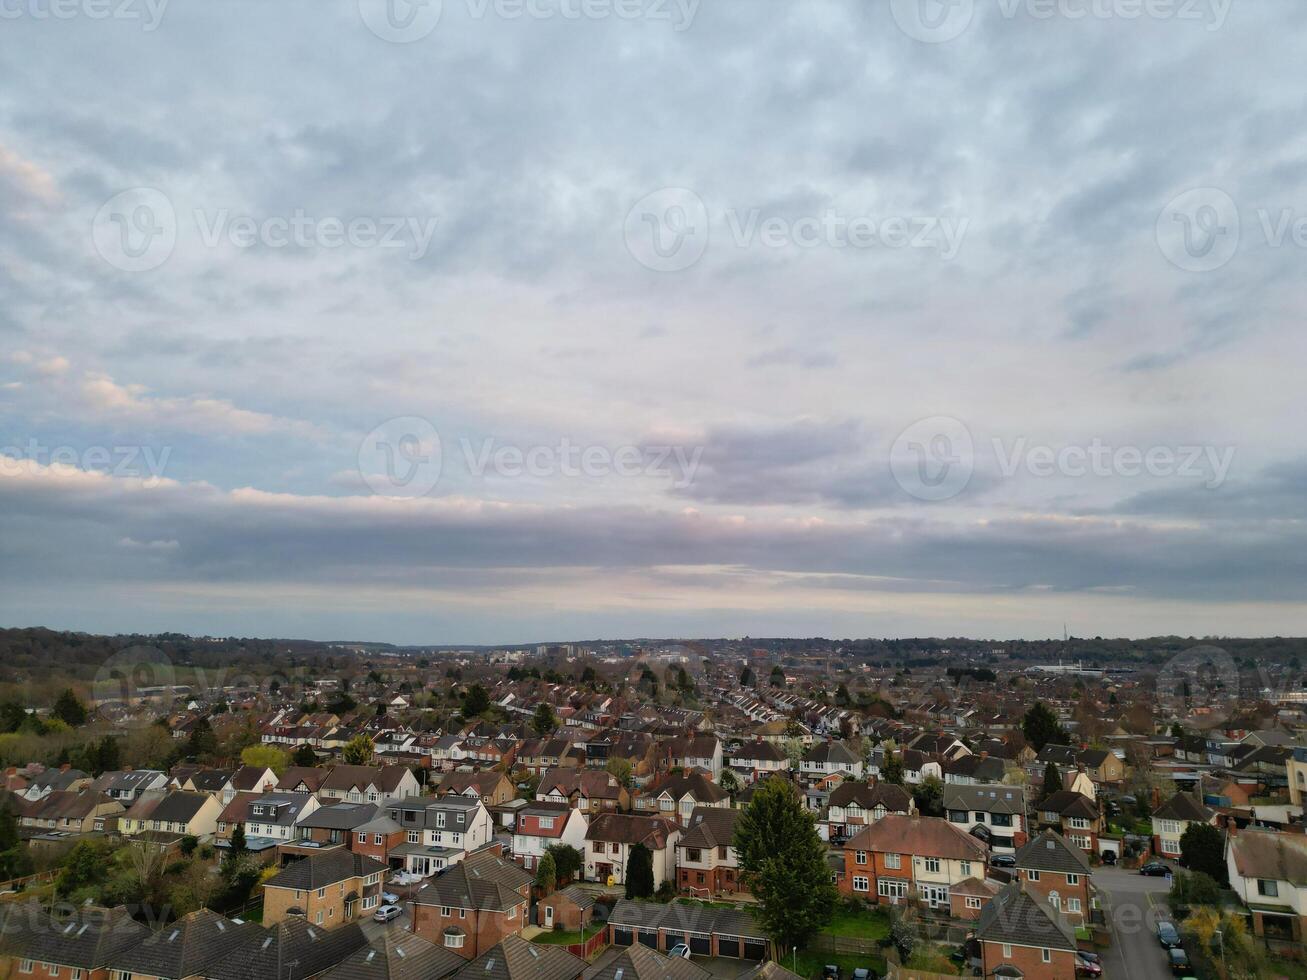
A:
x: 186, y: 948
x: 1017, y: 916
x: 513, y: 958
x: 290, y: 950
x: 320, y: 870
x: 1050, y: 852
x: 639, y: 962
x: 397, y: 955
x: 922, y: 836
x: 482, y: 881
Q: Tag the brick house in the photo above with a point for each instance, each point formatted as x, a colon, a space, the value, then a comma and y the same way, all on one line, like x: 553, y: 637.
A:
x: 473, y: 905
x: 378, y: 839
x: 610, y: 837
x: 1074, y: 815
x: 540, y: 826
x: 82, y: 944
x: 328, y: 827
x: 899, y: 857
x: 569, y: 908
x: 591, y: 790
x: 290, y: 950
x: 1021, y: 936
x: 676, y: 795
x: 968, y: 898
x: 328, y: 890
x: 397, y: 955
x: 369, y: 784
x: 1059, y: 872
x: 853, y: 805
x: 188, y: 947
x: 491, y: 787
x: 513, y: 958
x: 995, y: 813
x: 440, y: 832
x: 302, y: 779
x: 706, y: 863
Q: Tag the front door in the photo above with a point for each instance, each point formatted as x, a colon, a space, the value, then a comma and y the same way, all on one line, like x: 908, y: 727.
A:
x: 549, y: 916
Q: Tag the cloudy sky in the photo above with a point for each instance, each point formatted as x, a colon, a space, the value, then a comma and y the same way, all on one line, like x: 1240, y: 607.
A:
x: 513, y: 320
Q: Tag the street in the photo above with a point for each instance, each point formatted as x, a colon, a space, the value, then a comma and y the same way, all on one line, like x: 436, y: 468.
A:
x: 1134, y: 904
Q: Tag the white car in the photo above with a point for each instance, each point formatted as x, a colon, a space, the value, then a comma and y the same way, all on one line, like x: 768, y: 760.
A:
x: 390, y: 898
x: 386, y: 913
x: 681, y: 950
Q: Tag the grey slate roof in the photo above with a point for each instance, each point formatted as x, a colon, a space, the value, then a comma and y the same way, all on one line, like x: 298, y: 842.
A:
x: 1017, y: 916
x: 991, y: 798
x: 340, y: 816
x: 1184, y: 806
x: 513, y: 958
x: 1051, y: 852
x: 87, y: 939
x: 482, y: 881
x: 634, y: 914
x: 639, y: 962
x: 290, y: 950
x: 186, y: 948
x: 179, y: 806
x: 320, y: 870
x: 397, y: 955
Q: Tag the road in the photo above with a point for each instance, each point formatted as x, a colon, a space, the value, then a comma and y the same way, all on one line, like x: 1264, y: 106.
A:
x: 1136, y: 904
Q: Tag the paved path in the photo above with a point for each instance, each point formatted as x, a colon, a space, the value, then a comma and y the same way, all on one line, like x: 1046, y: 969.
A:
x: 1136, y: 904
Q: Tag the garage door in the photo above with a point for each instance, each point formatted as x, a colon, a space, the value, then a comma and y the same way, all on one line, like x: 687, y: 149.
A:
x: 622, y: 937
x: 728, y: 946
x: 649, y: 939
x: 755, y: 949
x: 702, y: 945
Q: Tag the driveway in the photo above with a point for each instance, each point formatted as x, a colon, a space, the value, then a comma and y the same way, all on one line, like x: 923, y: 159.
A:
x: 1135, y: 905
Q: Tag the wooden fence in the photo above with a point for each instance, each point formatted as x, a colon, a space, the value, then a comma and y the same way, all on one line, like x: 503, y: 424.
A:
x: 844, y: 945
x: 591, y: 946
x: 21, y: 884
x: 896, y: 972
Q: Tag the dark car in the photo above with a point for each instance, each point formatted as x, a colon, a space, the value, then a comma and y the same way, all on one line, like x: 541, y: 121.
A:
x: 1168, y: 936
x: 1155, y: 869
x: 831, y: 972
x: 1179, y: 961
x: 1003, y: 861
x: 1091, y: 957
x: 1109, y: 857
x: 1087, y: 968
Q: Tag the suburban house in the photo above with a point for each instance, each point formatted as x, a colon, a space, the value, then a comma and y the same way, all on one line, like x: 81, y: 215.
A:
x: 439, y: 832
x: 540, y: 826
x: 676, y: 795
x: 513, y: 958
x: 397, y: 955
x: 591, y: 790
x: 329, y: 826
x: 1172, y: 819
x: 181, y: 814
x: 995, y: 813
x: 125, y: 787
x: 969, y: 897
x: 1059, y: 872
x: 328, y: 890
x: 688, y: 752
x: 1020, y: 935
x: 1268, y: 871
x: 369, y: 784
x: 274, y: 816
x: 302, y: 779
x: 293, y: 949
x: 188, y: 947
x: 899, y: 857
x: 491, y: 788
x: 249, y: 779
x: 570, y: 908
x: 473, y: 905
x: 852, y: 805
x: 84, y: 944
x: 706, y: 863
x: 610, y: 837
x: 70, y: 813
x: 756, y: 759
x: 1074, y: 815
x: 828, y: 758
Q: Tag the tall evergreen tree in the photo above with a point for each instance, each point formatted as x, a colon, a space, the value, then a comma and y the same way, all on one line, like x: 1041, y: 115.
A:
x: 783, y: 860
x: 639, y: 873
x: 1052, y: 780
x: 69, y: 709
x: 1040, y: 726
x: 544, y: 721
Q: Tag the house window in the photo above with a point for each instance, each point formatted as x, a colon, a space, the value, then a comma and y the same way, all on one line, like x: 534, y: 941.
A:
x: 446, y: 911
x: 363, y: 839
x: 53, y: 969
x: 893, y: 861
x: 322, y: 892
x: 319, y: 917
x: 26, y: 966
x: 413, y: 837
x: 932, y: 865
x: 973, y: 903
x: 598, y: 846
x: 546, y: 823
x: 376, y: 838
x: 1073, y: 905
x: 1271, y: 889
x: 965, y: 868
x: 453, y: 940
x: 1073, y: 879
x: 1079, y: 823
x: 692, y: 854
x: 1007, y: 951
x: 1032, y: 876
x: 462, y: 913
x: 891, y: 887
x: 860, y: 857
x: 1001, y: 819
x: 1046, y: 955
x: 861, y: 883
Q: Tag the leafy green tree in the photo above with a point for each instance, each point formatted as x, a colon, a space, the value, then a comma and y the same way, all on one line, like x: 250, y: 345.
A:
x: 777, y: 678
x: 1052, y: 780
x: 842, y: 695
x: 69, y: 709
x: 266, y: 757
x: 729, y: 782
x: 238, y: 840
x: 1040, y: 726
x: 929, y: 797
x: 476, y: 702
x: 544, y: 721
x: 202, y: 743
x: 639, y: 873
x: 305, y: 757
x: 620, y: 769
x: 1202, y: 848
x: 891, y: 770
x: 783, y: 860
x: 546, y: 873
x: 567, y: 860
x: 84, y: 866
x: 747, y: 677
x: 357, y: 751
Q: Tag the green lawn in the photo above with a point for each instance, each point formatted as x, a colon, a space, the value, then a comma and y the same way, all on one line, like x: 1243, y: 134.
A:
x: 810, y: 965
x: 706, y: 904
x: 561, y: 937
x: 859, y: 923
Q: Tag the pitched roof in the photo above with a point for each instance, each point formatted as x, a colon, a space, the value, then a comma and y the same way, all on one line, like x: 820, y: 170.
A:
x: 639, y: 962
x: 834, y: 753
x: 897, y: 833
x: 308, y: 775
x: 320, y: 870
x: 1051, y: 852
x: 513, y: 958
x: 482, y: 881
x: 694, y: 783
x: 180, y: 806
x: 1184, y: 806
x: 631, y: 828
x: 340, y: 816
x: 1069, y: 803
x: 1270, y: 855
x: 397, y: 955
x: 87, y: 939
x: 1018, y: 916
x: 991, y: 798
x: 710, y: 826
x: 291, y: 950
x: 186, y: 948
x: 893, y: 797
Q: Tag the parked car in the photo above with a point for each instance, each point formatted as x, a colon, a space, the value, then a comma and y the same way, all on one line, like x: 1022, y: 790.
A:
x: 387, y: 912
x: 830, y: 972
x: 681, y: 950
x: 1155, y: 869
x: 390, y: 898
x: 1003, y: 861
x: 1109, y: 857
x: 1179, y: 960
x: 1091, y: 957
x: 1087, y: 968
x: 1168, y: 936
x: 862, y: 973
